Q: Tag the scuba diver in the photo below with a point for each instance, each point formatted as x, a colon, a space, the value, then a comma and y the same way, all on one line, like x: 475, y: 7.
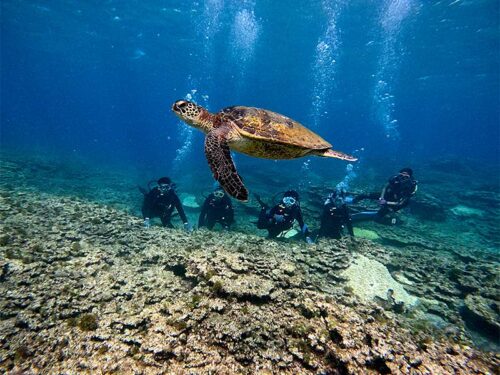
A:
x: 395, y: 195
x: 160, y: 202
x: 280, y: 218
x: 217, y: 208
x: 335, y: 217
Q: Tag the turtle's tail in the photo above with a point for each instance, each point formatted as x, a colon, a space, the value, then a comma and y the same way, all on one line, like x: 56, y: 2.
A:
x: 337, y: 155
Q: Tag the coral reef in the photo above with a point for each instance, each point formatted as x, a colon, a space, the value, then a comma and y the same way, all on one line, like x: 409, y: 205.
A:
x: 86, y: 289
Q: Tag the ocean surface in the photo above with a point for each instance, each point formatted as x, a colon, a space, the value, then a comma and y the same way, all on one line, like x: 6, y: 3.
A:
x: 86, y: 96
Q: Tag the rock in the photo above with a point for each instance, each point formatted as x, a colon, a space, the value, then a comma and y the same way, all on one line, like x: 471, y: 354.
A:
x: 427, y: 207
x: 466, y: 212
x: 401, y: 278
x: 165, y: 301
x: 366, y: 233
x: 369, y: 279
x: 288, y: 268
x: 189, y: 200
x: 483, y: 315
x: 245, y: 287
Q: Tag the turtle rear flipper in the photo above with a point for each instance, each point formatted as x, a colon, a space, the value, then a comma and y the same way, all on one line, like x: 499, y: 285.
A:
x: 335, y: 154
x: 222, y: 166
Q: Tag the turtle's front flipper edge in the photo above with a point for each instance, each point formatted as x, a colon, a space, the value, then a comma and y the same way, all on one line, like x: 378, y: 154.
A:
x: 222, y: 166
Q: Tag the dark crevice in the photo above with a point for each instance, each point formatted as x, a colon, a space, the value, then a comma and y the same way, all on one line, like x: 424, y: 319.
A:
x: 163, y: 356
x: 481, y: 326
x: 180, y: 270
x: 336, y: 337
x: 338, y: 367
x: 378, y: 364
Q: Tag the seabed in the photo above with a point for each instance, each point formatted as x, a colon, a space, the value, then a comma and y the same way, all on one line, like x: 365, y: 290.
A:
x: 84, y: 288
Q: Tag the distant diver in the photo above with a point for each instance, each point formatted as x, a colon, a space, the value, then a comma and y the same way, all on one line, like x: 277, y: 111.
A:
x: 161, y: 202
x: 217, y: 208
x: 335, y: 217
x: 281, y: 217
x: 395, y: 195
x: 254, y: 132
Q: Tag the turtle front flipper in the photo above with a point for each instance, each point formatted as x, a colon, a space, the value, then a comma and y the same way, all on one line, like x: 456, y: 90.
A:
x: 222, y: 165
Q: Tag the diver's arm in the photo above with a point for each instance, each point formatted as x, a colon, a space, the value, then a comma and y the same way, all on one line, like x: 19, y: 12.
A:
x: 270, y: 216
x: 382, y: 195
x: 180, y: 209
x: 398, y: 203
x: 403, y: 202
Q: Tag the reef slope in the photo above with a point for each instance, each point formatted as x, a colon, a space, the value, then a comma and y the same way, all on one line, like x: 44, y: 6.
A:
x: 86, y: 289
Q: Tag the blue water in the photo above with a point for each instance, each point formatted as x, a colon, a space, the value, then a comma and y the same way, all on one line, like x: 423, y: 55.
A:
x: 396, y: 83
x: 400, y: 79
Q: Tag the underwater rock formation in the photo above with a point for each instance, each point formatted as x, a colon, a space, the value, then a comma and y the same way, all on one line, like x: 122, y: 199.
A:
x: 370, y: 279
x: 86, y: 289
x: 484, y: 314
x: 465, y: 211
x: 189, y: 201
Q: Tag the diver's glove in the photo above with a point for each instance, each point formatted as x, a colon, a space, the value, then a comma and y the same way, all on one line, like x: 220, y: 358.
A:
x: 309, y: 240
x: 349, y: 200
x: 382, y: 201
x: 188, y: 227
x: 147, y: 223
x: 279, y: 218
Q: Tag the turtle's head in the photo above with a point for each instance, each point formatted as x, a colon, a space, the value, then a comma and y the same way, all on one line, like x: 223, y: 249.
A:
x: 193, y: 115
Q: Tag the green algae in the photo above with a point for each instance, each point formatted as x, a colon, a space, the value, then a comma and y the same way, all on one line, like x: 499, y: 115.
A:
x: 4, y: 240
x: 88, y: 322
x: 216, y: 287
x: 366, y: 233
x: 195, y: 301
x: 22, y: 353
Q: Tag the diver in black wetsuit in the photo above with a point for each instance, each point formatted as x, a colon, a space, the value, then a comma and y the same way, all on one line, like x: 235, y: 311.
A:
x: 395, y: 195
x: 280, y: 218
x: 217, y: 208
x: 160, y: 202
x: 335, y: 217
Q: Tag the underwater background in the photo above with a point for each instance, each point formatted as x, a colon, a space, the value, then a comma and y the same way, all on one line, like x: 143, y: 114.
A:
x: 86, y: 94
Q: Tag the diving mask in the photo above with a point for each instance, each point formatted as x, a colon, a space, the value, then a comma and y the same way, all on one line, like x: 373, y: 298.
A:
x: 218, y: 193
x: 164, y: 188
x: 289, y: 201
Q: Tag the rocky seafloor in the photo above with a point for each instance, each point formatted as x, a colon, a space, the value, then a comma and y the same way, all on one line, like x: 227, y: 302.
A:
x: 85, y: 289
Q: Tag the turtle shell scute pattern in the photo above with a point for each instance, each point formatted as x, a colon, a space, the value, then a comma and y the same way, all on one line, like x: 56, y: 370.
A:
x: 262, y: 124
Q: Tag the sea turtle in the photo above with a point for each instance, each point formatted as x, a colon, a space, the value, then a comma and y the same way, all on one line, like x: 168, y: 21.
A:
x: 251, y: 131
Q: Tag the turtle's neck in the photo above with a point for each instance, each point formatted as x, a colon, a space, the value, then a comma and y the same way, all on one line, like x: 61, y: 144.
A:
x: 207, y: 121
